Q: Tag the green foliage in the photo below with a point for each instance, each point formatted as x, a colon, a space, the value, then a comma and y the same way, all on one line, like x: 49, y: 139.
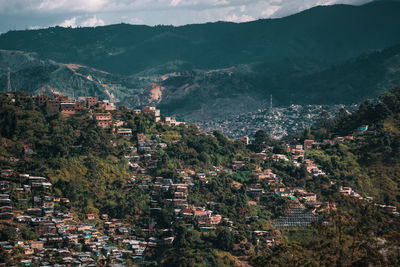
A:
x: 7, y: 233
x: 28, y: 234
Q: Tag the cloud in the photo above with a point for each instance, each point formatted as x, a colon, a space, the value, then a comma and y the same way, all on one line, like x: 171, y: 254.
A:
x: 92, y: 22
x: 270, y: 11
x: 69, y: 23
x: 175, y: 2
x: 82, y: 22
x: 240, y: 18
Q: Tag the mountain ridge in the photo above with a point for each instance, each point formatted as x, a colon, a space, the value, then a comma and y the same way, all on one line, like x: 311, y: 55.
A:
x: 128, y: 49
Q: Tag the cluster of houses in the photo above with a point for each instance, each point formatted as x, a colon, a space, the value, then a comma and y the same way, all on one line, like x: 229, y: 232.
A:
x: 155, y: 113
x: 277, y: 122
x: 105, y: 120
x: 69, y: 106
x: 27, y: 200
x: 348, y: 191
x: 312, y: 144
x: 203, y: 219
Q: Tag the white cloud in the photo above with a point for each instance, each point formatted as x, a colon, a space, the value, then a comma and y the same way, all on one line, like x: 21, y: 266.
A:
x: 175, y: 2
x: 73, y: 5
x: 236, y: 18
x: 69, y: 23
x: 92, y: 22
x: 270, y: 11
x: 82, y: 22
x: 49, y: 4
x: 220, y: 2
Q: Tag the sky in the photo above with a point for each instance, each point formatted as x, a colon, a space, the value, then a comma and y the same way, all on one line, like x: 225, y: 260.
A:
x: 34, y: 14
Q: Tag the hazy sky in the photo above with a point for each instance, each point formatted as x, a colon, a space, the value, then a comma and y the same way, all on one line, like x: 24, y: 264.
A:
x: 26, y: 14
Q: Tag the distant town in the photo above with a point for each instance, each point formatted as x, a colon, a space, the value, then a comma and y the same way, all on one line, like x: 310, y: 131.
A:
x: 277, y: 121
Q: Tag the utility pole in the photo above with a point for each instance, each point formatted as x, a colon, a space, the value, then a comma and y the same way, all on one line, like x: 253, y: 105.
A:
x: 8, y: 80
x: 270, y: 102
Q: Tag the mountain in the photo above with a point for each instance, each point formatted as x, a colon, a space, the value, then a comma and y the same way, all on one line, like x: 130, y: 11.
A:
x: 204, y: 95
x: 321, y: 35
x: 30, y: 72
x: 329, y: 54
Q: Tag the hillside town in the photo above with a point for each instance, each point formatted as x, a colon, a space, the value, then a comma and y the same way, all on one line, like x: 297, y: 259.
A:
x: 55, y: 233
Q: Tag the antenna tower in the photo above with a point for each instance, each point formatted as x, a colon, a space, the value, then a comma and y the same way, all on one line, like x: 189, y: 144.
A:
x: 8, y: 80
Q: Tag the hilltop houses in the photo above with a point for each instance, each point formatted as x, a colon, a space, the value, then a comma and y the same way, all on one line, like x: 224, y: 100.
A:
x: 61, y: 104
x: 103, y: 120
x: 172, y: 122
x: 152, y: 111
x: 107, y: 105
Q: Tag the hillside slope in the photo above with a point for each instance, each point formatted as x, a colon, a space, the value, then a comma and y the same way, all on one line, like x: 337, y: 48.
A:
x: 371, y: 162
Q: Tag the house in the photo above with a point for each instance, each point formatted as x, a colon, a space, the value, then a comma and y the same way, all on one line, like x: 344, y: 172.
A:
x: 4, y: 209
x: 23, y: 219
x: 245, y: 140
x: 212, y: 173
x: 64, y: 200
x: 91, y: 101
x: 349, y: 138
x: 37, y: 245
x: 308, y: 144
x: 68, y: 108
x: 42, y: 99
x: 200, y: 175
x: 119, y: 123
x: 362, y: 129
x: 390, y: 209
x: 346, y: 190
x: 152, y: 111
x: 90, y: 216
x: 7, y: 172
x: 123, y: 131
x: 280, y: 157
x: 163, y: 145
x: 267, y: 174
x: 238, y: 164
x: 102, y: 116
x: 46, y: 228
x: 141, y: 137
x: 255, y: 190
x: 104, y: 120
x: 5, y: 202
x: 107, y: 105
x: 53, y: 105
x: 309, y: 197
